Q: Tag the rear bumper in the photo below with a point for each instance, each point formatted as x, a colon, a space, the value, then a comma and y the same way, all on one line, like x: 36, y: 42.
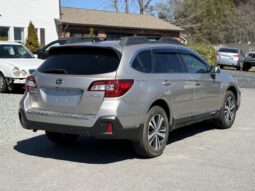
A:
x: 228, y: 62
x: 97, y: 131
x: 251, y: 63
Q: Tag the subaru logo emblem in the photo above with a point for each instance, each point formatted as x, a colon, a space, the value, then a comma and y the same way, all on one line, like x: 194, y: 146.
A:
x: 59, y: 82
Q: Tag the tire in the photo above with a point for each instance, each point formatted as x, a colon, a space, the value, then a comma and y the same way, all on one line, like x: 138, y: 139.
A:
x: 154, y: 137
x: 221, y: 67
x: 246, y: 67
x: 61, y: 138
x: 225, y: 119
x: 3, y: 85
x: 238, y: 68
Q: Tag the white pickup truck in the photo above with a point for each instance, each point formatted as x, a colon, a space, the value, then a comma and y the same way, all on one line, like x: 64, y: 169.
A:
x: 16, y: 63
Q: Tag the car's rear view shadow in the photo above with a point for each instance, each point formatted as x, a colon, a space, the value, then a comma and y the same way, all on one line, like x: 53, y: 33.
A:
x: 90, y: 150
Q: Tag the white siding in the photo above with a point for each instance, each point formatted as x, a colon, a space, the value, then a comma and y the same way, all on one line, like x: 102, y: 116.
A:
x: 18, y: 13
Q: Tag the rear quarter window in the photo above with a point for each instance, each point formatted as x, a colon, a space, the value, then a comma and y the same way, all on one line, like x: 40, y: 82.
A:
x: 80, y: 61
x: 142, y: 62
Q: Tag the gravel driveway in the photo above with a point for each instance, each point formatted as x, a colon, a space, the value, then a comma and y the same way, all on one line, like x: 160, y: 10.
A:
x: 197, y: 158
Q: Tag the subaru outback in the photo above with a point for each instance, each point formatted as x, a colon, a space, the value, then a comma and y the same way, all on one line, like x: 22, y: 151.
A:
x: 135, y: 89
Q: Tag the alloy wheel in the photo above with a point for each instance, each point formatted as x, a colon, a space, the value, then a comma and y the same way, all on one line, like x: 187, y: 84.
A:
x: 157, y: 132
x: 229, y: 111
x: 1, y: 82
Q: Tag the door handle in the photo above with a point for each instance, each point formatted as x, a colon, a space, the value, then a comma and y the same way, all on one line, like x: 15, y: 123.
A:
x: 197, y: 83
x: 166, y: 83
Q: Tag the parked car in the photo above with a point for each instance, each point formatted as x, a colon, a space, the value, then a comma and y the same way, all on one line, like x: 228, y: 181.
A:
x: 249, y: 61
x: 16, y: 63
x: 230, y: 57
x: 135, y: 89
x: 43, y: 52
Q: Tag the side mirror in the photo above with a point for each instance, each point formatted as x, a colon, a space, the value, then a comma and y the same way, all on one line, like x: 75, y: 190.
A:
x: 215, y: 70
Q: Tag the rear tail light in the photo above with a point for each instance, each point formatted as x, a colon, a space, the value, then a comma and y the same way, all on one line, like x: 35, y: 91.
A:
x: 109, y: 128
x: 236, y: 56
x: 112, y: 88
x: 30, y: 83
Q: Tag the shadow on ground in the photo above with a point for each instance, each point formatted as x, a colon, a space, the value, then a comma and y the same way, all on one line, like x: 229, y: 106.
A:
x: 90, y: 150
x: 17, y: 90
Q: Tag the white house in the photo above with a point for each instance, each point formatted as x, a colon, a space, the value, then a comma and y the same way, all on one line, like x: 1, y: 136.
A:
x: 15, y: 16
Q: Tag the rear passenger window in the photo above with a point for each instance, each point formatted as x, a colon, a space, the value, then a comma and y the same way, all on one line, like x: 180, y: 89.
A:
x: 194, y: 65
x: 142, y: 62
x: 168, y: 62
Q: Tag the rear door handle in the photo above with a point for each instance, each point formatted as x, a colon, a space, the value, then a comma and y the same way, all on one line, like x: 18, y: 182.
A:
x: 166, y: 83
x: 197, y: 83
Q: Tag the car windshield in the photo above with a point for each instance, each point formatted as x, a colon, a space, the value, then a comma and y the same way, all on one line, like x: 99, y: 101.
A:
x: 229, y: 50
x: 14, y: 51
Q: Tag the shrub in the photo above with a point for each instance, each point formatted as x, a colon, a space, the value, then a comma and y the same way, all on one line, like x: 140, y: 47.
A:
x: 206, y: 51
x: 91, y: 33
x: 32, y: 40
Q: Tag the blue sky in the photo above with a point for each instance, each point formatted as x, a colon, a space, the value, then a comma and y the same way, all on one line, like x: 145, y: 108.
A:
x: 95, y: 4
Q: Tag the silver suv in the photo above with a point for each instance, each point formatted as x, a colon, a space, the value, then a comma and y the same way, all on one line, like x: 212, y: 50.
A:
x: 134, y: 89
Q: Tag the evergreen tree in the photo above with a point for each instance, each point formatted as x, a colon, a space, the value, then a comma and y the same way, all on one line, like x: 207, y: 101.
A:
x: 91, y: 33
x: 32, y: 40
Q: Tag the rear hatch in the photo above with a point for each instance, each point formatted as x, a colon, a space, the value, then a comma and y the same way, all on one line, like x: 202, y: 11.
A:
x: 228, y: 54
x: 64, y: 78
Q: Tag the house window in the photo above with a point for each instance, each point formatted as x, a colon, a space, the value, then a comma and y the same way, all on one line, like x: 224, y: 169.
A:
x: 42, y: 36
x: 4, y: 33
x: 19, y: 34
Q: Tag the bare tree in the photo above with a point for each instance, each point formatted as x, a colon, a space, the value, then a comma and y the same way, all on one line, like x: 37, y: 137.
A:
x: 143, y: 5
x: 126, y: 6
x: 115, y: 4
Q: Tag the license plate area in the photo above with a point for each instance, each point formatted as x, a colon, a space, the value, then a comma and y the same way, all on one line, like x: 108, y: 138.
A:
x: 63, y: 96
x: 225, y: 57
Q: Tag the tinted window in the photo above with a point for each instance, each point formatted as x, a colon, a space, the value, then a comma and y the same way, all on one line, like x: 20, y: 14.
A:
x: 142, y: 61
x: 194, y: 65
x: 251, y: 55
x: 229, y: 50
x: 168, y: 62
x: 80, y: 61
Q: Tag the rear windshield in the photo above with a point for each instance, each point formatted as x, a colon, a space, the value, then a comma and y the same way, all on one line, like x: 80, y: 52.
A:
x: 229, y: 50
x: 251, y: 55
x: 80, y: 61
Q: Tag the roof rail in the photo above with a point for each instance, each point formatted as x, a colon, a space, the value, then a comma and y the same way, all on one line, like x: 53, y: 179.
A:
x: 82, y: 39
x: 133, y: 40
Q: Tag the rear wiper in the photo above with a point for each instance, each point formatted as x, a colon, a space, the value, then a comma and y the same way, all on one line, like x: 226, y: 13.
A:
x: 55, y: 71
